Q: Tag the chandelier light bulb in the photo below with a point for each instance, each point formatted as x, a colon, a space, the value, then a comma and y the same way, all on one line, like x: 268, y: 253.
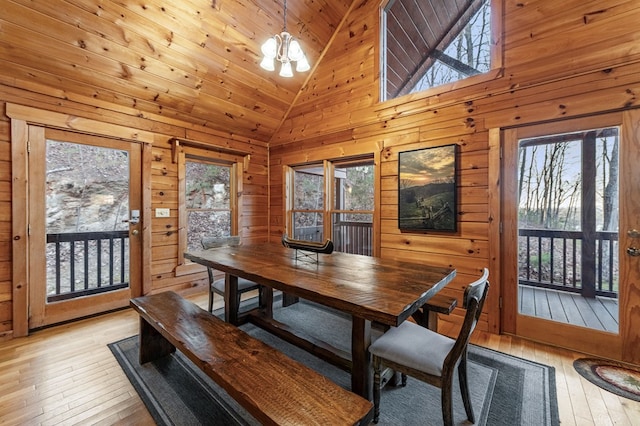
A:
x: 268, y: 63
x: 302, y: 64
x: 295, y: 52
x: 270, y: 48
x: 286, y: 71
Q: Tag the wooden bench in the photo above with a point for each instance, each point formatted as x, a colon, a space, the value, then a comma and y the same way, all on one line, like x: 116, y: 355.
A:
x: 272, y: 387
x: 427, y: 316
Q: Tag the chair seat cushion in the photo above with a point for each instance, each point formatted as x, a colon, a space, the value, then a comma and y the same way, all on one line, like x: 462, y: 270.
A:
x: 243, y: 285
x: 414, y: 346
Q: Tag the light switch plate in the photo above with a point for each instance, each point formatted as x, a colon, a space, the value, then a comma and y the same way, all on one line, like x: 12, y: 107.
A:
x: 162, y: 212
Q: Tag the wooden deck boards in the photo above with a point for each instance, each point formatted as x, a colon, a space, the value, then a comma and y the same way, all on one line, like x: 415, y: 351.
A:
x: 600, y: 313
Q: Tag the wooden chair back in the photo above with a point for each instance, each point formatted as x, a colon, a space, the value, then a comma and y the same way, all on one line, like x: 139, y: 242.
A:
x: 474, y: 297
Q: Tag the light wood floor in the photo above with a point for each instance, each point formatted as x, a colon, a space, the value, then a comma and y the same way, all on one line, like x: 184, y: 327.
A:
x: 67, y: 375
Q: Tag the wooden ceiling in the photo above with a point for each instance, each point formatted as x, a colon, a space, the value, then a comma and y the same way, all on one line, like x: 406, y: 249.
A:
x: 192, y: 60
x: 196, y: 61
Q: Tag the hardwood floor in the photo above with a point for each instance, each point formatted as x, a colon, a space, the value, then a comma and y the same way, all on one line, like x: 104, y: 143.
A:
x: 67, y: 375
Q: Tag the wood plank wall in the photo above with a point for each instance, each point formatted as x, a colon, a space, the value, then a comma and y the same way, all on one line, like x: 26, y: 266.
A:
x: 561, y: 59
x: 163, y: 247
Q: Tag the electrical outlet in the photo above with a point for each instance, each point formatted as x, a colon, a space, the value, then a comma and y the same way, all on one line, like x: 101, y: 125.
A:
x: 162, y: 212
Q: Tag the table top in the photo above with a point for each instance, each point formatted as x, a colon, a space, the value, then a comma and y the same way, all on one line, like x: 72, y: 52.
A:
x: 376, y: 289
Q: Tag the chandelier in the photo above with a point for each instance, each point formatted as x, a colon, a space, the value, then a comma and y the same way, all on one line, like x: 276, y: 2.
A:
x: 285, y: 49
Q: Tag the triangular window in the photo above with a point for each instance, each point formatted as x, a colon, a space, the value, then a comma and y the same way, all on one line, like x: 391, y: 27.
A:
x: 434, y: 42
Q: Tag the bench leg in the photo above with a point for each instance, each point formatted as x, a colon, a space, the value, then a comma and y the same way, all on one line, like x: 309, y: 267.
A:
x: 152, y: 344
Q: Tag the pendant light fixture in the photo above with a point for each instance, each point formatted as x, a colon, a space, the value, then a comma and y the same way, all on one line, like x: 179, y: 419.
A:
x: 283, y: 48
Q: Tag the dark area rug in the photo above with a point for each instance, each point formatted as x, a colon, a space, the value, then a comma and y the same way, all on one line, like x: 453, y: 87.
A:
x: 506, y: 390
x: 615, y: 377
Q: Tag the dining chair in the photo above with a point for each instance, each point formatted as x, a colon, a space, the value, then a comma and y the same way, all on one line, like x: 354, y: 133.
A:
x: 428, y: 356
x: 218, y: 286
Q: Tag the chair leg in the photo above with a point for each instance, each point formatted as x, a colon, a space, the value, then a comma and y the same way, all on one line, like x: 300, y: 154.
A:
x: 404, y: 379
x: 210, y: 300
x: 376, y: 390
x: 464, y: 387
x: 447, y: 404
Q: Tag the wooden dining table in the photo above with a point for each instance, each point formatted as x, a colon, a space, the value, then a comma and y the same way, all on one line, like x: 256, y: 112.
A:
x: 369, y: 289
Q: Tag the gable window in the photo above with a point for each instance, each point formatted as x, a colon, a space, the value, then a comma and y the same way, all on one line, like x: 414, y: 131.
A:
x: 429, y: 43
x: 333, y: 200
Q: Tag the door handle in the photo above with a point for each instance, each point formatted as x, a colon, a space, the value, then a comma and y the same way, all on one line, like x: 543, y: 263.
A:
x: 633, y: 251
x: 135, y: 232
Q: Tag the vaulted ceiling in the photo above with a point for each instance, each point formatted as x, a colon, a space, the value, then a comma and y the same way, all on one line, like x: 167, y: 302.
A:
x: 190, y: 60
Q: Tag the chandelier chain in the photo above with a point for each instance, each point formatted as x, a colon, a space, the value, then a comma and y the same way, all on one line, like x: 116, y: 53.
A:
x: 285, y: 15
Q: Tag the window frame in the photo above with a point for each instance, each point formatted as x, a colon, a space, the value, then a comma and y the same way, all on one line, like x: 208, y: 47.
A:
x: 328, y: 209
x: 237, y: 164
x: 497, y: 59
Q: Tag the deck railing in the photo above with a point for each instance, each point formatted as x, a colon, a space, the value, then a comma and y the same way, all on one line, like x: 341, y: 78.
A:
x: 564, y: 260
x: 348, y: 237
x: 85, y: 263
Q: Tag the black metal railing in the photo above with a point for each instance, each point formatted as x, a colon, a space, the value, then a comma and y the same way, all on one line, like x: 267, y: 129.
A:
x: 348, y: 237
x: 565, y: 260
x: 353, y: 237
x: 85, y: 263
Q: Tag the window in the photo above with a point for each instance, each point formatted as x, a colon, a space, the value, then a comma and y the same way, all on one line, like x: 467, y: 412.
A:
x: 208, y: 200
x: 430, y: 43
x: 348, y: 218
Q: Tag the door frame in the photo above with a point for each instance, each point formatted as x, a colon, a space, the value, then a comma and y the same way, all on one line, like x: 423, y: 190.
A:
x: 26, y: 119
x: 618, y: 346
x: 42, y: 312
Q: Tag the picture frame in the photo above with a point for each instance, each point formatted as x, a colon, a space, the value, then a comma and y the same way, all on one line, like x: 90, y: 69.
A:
x: 427, y: 189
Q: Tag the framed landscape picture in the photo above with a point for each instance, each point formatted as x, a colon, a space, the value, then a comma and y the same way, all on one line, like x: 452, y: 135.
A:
x: 427, y: 189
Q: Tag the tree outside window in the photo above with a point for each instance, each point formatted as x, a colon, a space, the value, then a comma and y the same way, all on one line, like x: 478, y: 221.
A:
x: 207, y: 199
x: 430, y: 43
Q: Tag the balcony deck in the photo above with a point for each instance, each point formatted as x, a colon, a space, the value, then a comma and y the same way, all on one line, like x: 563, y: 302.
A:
x: 599, y: 313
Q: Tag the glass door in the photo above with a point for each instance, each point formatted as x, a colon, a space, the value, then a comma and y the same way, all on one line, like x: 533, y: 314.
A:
x: 570, y: 268
x: 85, y: 225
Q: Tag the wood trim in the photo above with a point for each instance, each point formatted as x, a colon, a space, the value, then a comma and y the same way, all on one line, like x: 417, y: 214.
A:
x: 629, y: 308
x: 146, y: 228
x: 36, y: 215
x: 377, y: 199
x: 594, y: 342
x: 492, y: 305
x: 57, y: 120
x: 237, y: 187
x: 19, y: 226
x: 176, y: 144
x: 182, y: 213
x: 509, y: 219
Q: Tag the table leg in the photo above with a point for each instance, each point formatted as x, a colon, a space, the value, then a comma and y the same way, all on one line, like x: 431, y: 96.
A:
x: 265, y: 301
x: 231, y: 305
x: 361, y: 370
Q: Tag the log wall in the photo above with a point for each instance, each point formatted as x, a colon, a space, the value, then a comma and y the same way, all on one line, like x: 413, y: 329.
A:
x: 162, y: 249
x: 559, y: 60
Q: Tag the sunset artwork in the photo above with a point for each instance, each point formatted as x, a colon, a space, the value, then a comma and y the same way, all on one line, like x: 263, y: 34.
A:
x: 427, y: 189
